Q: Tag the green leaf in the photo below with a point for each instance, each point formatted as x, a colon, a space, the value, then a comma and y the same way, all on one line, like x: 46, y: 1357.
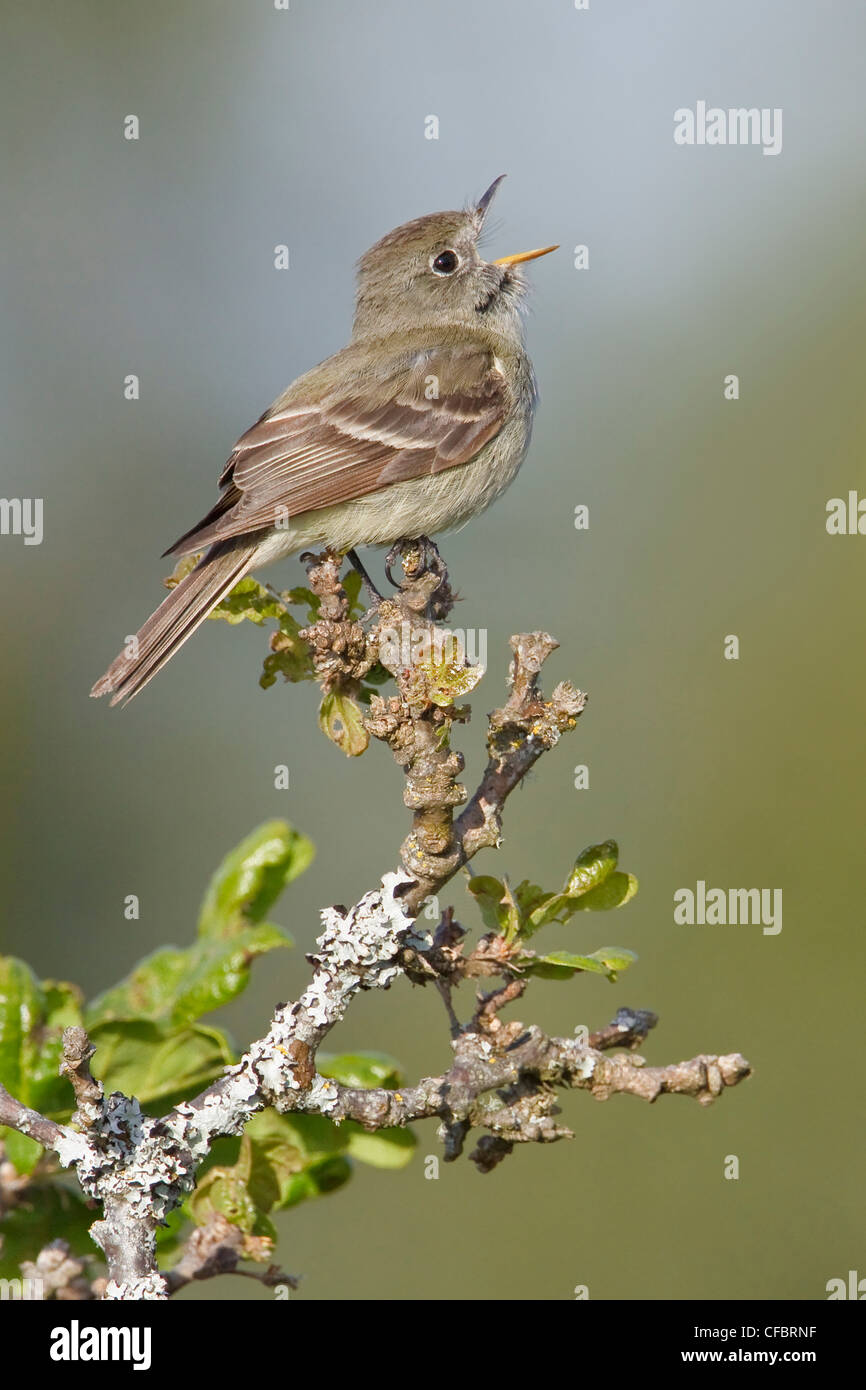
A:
x: 497, y: 904
x: 277, y: 1157
x: 285, y: 1159
x: 361, y: 1069
x: 315, y: 1136
x: 300, y: 597
x: 282, y: 1160
x: 22, y: 1152
x: 252, y: 876
x: 62, y: 1004
x: 158, y: 1065
x: 318, y: 1180
x: 550, y: 907
x: 291, y: 1163
x: 561, y: 965
x: 32, y: 1019
x: 617, y: 889
x: 614, y: 959
x: 22, y: 1006
x: 351, y: 583
x: 225, y: 1191
x: 170, y: 1237
x: 312, y: 1153
x: 592, y: 885
x: 377, y: 674
x: 251, y: 600
x: 289, y: 657
x: 248, y: 599
x: 290, y: 654
x: 341, y: 719
x: 175, y: 987
x: 592, y: 867
x: 528, y: 896
x: 613, y: 890
x: 444, y: 670
x: 386, y: 1148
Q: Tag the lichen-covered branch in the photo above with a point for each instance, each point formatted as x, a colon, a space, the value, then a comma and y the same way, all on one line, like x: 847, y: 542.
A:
x: 358, y: 949
x: 418, y: 729
x: 504, y: 1076
x: 503, y: 1081
x: 30, y: 1122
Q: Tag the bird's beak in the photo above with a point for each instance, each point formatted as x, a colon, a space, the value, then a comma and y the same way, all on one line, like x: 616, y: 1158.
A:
x: 487, y: 198
x: 525, y: 256
x: 481, y: 210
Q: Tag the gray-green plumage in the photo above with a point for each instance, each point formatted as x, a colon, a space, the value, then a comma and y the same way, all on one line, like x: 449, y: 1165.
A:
x: 413, y: 428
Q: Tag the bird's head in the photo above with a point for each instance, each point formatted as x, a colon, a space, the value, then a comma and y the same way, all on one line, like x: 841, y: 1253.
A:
x: 430, y: 270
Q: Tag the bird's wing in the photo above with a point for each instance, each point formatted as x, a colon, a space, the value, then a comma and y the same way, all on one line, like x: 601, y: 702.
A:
x: 431, y: 413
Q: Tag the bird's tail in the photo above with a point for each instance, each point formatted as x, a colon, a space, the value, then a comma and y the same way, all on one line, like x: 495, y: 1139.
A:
x: 176, y: 619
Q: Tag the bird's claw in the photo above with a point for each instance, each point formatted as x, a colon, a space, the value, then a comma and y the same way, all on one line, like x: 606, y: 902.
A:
x: 417, y: 557
x: 372, y: 592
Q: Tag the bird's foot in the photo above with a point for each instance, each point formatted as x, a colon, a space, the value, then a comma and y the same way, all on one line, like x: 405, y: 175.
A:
x: 423, y: 569
x: 372, y: 592
x: 417, y: 557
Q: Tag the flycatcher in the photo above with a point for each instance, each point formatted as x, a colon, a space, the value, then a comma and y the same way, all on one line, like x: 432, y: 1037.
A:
x: 417, y: 425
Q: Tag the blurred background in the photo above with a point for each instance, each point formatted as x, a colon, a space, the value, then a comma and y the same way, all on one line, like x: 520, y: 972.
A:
x: 707, y: 518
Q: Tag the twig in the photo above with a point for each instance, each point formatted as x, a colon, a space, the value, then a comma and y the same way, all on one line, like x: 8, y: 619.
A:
x: 504, y: 1076
x: 77, y: 1052
x: 534, y: 1063
x: 27, y: 1121
x: 216, y: 1248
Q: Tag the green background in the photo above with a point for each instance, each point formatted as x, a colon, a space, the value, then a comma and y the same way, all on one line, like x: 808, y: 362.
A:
x: 707, y: 518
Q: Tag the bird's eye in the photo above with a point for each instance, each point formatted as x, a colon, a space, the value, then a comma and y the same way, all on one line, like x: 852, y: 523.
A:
x: 445, y: 263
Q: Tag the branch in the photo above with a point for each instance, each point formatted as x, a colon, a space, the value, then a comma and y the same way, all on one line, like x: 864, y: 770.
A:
x: 27, y: 1121
x: 503, y: 1078
x: 519, y: 733
x: 216, y: 1248
x: 116, y: 1165
x: 77, y: 1052
x: 372, y: 943
x: 521, y: 1066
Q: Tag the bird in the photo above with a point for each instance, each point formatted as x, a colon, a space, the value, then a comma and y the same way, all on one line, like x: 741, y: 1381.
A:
x: 417, y: 425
